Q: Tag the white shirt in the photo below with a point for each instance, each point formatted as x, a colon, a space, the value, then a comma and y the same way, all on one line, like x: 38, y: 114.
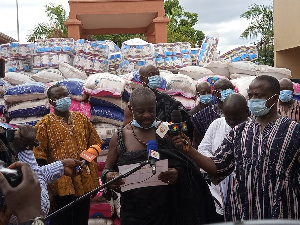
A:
x: 213, y: 138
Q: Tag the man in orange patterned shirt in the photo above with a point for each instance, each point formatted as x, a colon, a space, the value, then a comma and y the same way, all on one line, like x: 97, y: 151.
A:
x: 65, y: 134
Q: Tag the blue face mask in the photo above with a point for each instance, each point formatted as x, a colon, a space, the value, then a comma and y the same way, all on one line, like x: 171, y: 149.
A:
x: 136, y: 124
x: 205, y: 99
x: 63, y: 104
x: 154, y: 82
x: 286, y: 95
x: 226, y: 93
x: 258, y: 106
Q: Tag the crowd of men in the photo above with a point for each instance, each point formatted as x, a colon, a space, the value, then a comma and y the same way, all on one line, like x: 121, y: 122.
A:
x: 238, y: 161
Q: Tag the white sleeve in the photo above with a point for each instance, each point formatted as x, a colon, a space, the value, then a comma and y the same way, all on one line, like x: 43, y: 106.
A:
x: 206, y: 145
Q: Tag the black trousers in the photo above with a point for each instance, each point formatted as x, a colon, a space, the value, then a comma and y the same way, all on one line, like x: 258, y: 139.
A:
x: 76, y: 215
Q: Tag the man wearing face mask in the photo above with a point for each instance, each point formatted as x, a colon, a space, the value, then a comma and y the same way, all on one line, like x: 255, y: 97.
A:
x: 287, y: 105
x: 203, y: 118
x: 61, y: 135
x: 262, y: 154
x: 165, y: 104
x: 204, y: 92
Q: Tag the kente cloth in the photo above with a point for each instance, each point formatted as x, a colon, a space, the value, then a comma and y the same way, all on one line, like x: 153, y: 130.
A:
x: 202, y: 119
x: 188, y: 201
x: 293, y: 111
x: 60, y: 140
x: 265, y: 166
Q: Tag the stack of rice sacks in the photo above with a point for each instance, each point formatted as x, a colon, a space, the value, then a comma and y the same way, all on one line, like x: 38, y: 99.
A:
x: 18, y: 57
x: 26, y: 103
x: 135, y: 54
x: 172, y: 55
x: 97, y: 56
x: 182, y: 88
x: 107, y: 105
x: 50, y: 52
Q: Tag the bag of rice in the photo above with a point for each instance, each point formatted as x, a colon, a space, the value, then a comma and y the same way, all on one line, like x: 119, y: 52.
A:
x: 69, y: 71
x: 75, y: 88
x: 26, y: 120
x: 188, y: 103
x: 195, y: 72
x: 104, y: 84
x: 2, y: 105
x: 48, y: 75
x: 242, y: 84
x: 180, y: 84
x: 29, y: 109
x: 115, y: 103
x: 106, y: 115
x: 15, y: 78
x: 218, y: 67
x: 25, y: 92
x: 278, y: 73
x: 244, y: 67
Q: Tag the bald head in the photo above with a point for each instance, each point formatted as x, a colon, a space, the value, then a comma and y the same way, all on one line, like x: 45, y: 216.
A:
x: 203, y: 88
x: 286, y: 84
x: 235, y: 109
x: 223, y: 84
x: 148, y: 70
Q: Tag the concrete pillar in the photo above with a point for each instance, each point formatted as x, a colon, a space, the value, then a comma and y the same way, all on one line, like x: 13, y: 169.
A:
x: 74, y: 28
x: 157, y: 30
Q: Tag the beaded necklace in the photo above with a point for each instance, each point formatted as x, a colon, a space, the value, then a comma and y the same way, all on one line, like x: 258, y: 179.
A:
x: 136, y: 137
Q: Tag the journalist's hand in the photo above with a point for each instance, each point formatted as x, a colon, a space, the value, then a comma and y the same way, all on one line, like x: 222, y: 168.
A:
x: 115, y: 185
x: 70, y: 166
x: 24, y: 201
x: 182, y: 142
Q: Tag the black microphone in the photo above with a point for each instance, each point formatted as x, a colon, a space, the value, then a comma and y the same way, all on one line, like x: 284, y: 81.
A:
x: 153, y: 154
x: 176, y: 124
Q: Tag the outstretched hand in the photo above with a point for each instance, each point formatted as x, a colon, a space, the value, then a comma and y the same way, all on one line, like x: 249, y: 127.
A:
x: 24, y: 201
x: 117, y: 184
x: 169, y: 177
x: 70, y: 166
x: 182, y: 142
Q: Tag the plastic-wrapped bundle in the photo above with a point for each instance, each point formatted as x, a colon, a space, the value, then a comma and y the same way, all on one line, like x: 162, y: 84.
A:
x: 114, y: 61
x: 4, y: 51
x: 137, y: 48
x: 106, y: 115
x: 100, y: 65
x: 53, y: 60
x: 29, y: 109
x: 15, y: 78
x: 104, y: 84
x: 96, y: 48
x: 208, y: 48
x: 194, y: 56
x: 105, y: 130
x: 180, y: 84
x: 25, y: 92
x: 36, y: 63
x: 82, y: 107
x: 48, y: 75
x: 185, y: 47
x: 112, y: 47
x: 75, y: 88
x: 186, y: 60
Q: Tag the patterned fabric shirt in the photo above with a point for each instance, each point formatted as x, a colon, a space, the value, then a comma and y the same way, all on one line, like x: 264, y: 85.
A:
x: 61, y: 140
x: 202, y: 119
x: 293, y: 112
x: 265, y: 168
x: 46, y: 174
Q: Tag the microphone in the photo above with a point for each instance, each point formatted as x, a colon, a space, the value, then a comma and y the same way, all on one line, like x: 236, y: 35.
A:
x: 90, y: 154
x: 176, y: 124
x: 153, y: 154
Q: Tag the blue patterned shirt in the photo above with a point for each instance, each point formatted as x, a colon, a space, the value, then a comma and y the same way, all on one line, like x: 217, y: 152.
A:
x: 265, y: 170
x: 46, y: 174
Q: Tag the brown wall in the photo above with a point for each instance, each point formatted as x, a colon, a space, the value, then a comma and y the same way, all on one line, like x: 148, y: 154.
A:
x: 287, y: 35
